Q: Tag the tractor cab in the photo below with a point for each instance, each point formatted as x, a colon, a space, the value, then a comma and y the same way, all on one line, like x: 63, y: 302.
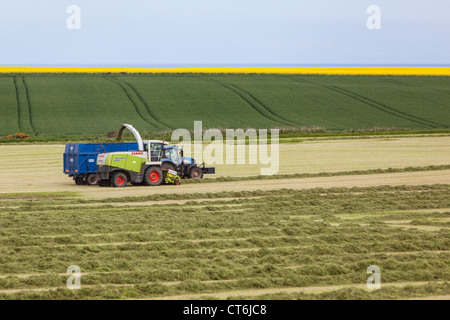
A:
x: 171, y: 154
x: 155, y: 149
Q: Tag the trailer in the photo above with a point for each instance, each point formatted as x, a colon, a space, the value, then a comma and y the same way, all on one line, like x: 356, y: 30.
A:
x: 80, y: 159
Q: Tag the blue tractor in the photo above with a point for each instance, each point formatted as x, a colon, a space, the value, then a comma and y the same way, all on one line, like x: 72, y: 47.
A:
x: 186, y: 167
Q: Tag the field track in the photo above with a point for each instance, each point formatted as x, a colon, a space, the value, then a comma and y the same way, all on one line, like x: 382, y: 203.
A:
x: 141, y: 107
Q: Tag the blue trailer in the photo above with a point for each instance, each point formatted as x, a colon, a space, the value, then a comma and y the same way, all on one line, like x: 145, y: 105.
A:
x: 80, y: 159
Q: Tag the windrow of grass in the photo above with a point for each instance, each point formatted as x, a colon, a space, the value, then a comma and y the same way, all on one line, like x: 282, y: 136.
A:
x: 407, y: 291
x: 60, y: 200
x: 259, y: 240
x: 320, y: 174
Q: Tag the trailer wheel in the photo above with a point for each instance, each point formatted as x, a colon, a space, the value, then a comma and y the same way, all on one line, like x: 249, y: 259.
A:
x: 91, y: 179
x: 119, y: 180
x: 196, y: 173
x: 153, y: 176
x: 79, y: 181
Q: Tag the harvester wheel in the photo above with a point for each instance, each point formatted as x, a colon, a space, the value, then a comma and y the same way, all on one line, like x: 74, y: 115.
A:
x: 91, y: 179
x: 153, y: 176
x: 196, y: 173
x: 119, y: 180
x: 104, y: 183
x: 79, y: 181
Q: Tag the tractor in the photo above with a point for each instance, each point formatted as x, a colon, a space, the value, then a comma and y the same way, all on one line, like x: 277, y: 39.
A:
x: 174, y: 159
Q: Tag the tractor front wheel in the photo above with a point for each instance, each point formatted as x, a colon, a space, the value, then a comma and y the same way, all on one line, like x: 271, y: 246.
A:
x: 196, y: 173
x: 119, y: 180
x: 153, y: 176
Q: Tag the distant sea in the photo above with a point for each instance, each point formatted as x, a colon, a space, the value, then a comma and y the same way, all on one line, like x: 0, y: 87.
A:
x: 219, y: 65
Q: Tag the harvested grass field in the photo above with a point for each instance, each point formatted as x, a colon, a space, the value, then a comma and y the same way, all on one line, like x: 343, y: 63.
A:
x: 299, y: 244
x: 296, y: 237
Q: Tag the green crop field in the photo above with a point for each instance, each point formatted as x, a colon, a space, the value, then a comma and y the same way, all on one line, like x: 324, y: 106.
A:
x: 277, y: 244
x: 59, y: 105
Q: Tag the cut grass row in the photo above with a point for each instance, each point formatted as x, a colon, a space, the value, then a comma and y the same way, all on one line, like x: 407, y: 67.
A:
x: 406, y: 290
x: 39, y: 200
x: 319, y: 174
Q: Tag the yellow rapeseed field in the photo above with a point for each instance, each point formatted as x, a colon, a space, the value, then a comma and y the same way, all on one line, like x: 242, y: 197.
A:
x: 412, y: 71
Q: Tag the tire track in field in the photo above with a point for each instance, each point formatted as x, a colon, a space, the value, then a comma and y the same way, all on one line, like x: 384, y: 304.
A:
x: 265, y: 106
x: 137, y: 103
x: 301, y: 80
x: 410, y: 85
x: 147, y: 107
x: 29, y: 106
x: 375, y: 104
x: 386, y: 108
x: 254, y: 103
x: 396, y: 82
x: 25, y: 120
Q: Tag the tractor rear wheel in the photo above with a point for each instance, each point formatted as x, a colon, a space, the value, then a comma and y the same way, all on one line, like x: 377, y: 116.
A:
x: 91, y: 179
x: 196, y: 173
x: 153, y: 176
x: 119, y: 180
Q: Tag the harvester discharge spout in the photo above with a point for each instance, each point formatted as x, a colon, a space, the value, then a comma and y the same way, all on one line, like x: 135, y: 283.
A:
x: 134, y: 132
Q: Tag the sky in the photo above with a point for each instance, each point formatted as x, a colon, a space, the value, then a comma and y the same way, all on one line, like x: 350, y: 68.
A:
x: 147, y: 32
